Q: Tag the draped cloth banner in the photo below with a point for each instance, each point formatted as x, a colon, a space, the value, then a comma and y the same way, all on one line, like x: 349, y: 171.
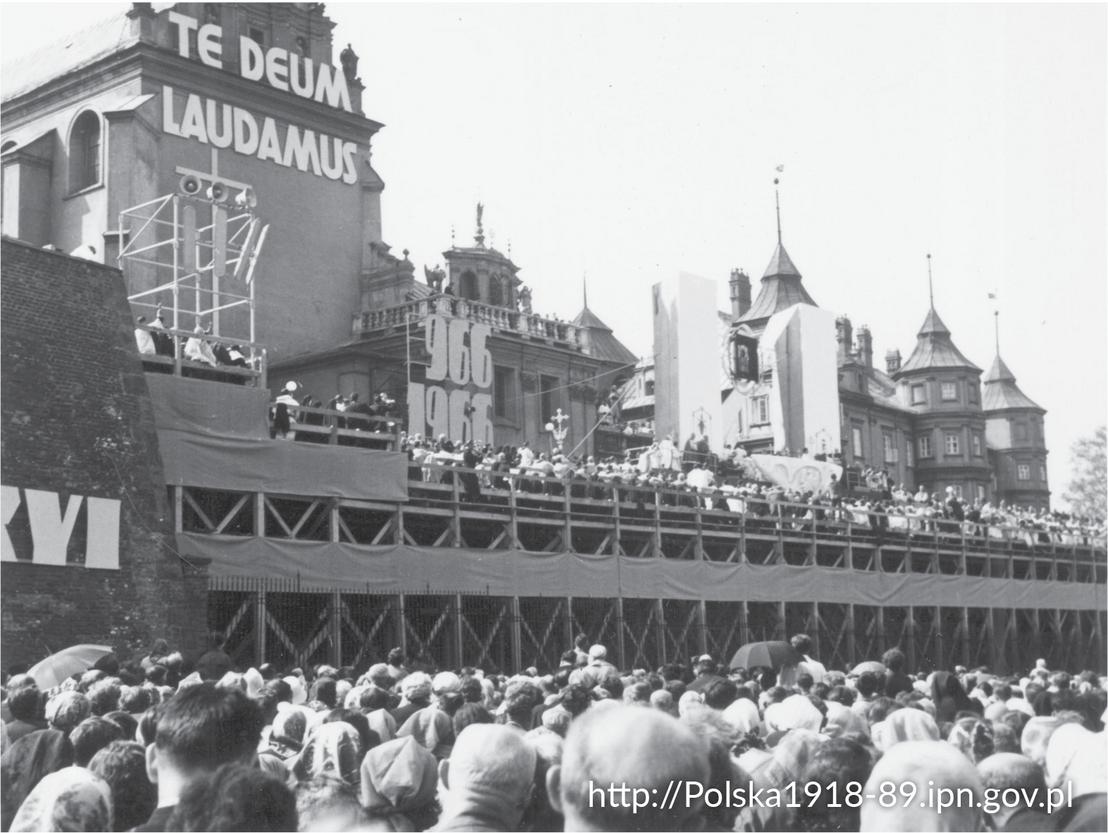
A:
x: 404, y: 569
x: 216, y: 436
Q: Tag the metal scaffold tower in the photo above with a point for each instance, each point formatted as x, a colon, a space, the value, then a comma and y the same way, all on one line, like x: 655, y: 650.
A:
x: 190, y: 257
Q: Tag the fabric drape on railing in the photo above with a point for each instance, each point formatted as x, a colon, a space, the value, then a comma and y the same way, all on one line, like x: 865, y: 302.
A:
x: 404, y: 569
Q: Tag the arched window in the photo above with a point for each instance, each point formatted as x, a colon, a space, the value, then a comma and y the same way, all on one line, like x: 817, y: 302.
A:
x: 8, y: 145
x: 496, y: 294
x: 84, y: 152
x: 469, y: 287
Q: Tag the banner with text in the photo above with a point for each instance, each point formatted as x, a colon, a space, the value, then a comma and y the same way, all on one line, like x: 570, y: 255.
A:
x: 455, y: 397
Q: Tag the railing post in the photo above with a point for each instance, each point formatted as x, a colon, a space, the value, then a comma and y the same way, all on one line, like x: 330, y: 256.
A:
x: 617, y: 534
x: 178, y: 508
x: 513, y: 516
x: 620, y: 647
x: 401, y: 624
x: 910, y: 629
x: 260, y: 625
x: 517, y: 636
x: 702, y: 626
x: 457, y: 633
x: 259, y: 515
x: 658, y: 527
x: 567, y: 509
x: 660, y: 628
x: 699, y: 520
x: 851, y: 647
x: 336, y: 628
x: 456, y: 510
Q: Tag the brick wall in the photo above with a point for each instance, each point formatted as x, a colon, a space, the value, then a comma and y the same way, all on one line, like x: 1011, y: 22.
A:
x: 77, y: 420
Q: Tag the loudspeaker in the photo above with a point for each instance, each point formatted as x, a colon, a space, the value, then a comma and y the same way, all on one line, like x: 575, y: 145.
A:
x: 246, y: 198
x: 217, y: 192
x: 189, y: 185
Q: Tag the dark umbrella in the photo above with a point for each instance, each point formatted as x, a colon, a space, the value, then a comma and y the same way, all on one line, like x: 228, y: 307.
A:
x: 773, y: 655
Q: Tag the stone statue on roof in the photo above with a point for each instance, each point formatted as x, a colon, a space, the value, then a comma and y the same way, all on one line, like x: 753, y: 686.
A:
x: 525, y: 300
x: 349, y: 60
x: 435, y: 277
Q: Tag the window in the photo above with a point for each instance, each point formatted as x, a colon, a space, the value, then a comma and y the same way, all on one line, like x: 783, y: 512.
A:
x: 504, y: 396
x: 84, y: 152
x: 953, y: 446
x: 760, y: 405
x: 957, y: 487
x: 856, y: 442
x: 258, y: 36
x: 908, y: 453
x: 1023, y: 472
x: 211, y: 13
x: 919, y: 394
x: 1019, y: 431
x: 302, y: 45
x: 976, y: 445
x: 1042, y: 473
x: 948, y: 391
x: 891, y: 455
x: 924, y: 447
x: 469, y: 287
x: 648, y: 387
x: 974, y: 393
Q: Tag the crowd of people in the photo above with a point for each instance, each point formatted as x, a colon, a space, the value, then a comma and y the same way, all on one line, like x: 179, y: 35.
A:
x: 152, y: 339
x: 660, y: 474
x: 293, y: 410
x: 164, y: 744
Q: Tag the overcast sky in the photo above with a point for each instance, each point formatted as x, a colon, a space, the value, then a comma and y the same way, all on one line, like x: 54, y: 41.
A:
x: 630, y: 142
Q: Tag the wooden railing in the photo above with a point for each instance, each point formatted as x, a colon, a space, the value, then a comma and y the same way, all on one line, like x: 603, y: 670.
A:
x: 562, y: 333
x: 327, y: 426
x: 665, y: 510
x: 176, y: 363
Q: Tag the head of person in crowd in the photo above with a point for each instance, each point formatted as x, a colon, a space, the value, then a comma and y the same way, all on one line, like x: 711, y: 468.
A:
x: 867, y: 685
x: 399, y: 781
x: 326, y: 804
x: 520, y: 699
x: 903, y: 725
x: 235, y: 796
x: 333, y: 749
x: 379, y: 676
x: 488, y: 779
x: 469, y: 713
x: 834, y: 766
x: 70, y: 799
x: 90, y: 736
x: 974, y: 737
x: 135, y: 699
x: 200, y: 729
x: 1018, y: 773
x: 26, y: 762
x: 65, y: 710
x: 104, y: 696
x: 719, y: 694
x: 950, y: 697
x: 1076, y: 760
x: 26, y: 705
x: 916, y: 767
x: 122, y: 764
x: 416, y: 689
x: 368, y: 737
x: 627, y: 745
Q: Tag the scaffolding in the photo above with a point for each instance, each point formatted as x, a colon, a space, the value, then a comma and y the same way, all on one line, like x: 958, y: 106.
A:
x: 201, y: 271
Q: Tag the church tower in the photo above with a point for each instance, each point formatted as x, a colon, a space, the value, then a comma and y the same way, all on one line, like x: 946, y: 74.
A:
x: 782, y: 287
x: 480, y: 273
x: 1015, y: 435
x: 943, y: 388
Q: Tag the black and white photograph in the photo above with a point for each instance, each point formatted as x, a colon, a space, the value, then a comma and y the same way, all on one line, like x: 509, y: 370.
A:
x: 511, y: 416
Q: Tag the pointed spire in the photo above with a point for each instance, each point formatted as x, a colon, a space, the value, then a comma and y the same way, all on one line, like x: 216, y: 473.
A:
x: 996, y: 330
x: 777, y: 199
x: 585, y: 289
x: 930, y: 284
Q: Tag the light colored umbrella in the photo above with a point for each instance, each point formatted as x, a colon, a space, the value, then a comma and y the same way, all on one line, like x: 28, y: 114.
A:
x: 59, y: 667
x: 871, y: 665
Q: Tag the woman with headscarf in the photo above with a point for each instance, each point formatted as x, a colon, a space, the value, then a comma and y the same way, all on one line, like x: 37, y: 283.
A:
x: 27, y: 762
x: 398, y: 785
x: 286, y: 738
x: 69, y: 799
x: 333, y: 749
x: 1035, y: 737
x: 950, y: 698
x: 973, y: 737
x: 903, y: 725
x: 842, y: 720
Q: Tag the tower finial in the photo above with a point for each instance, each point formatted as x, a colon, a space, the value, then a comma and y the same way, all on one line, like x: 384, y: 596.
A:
x: 585, y: 288
x: 479, y: 237
x: 996, y: 329
x: 777, y: 199
x: 930, y: 285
